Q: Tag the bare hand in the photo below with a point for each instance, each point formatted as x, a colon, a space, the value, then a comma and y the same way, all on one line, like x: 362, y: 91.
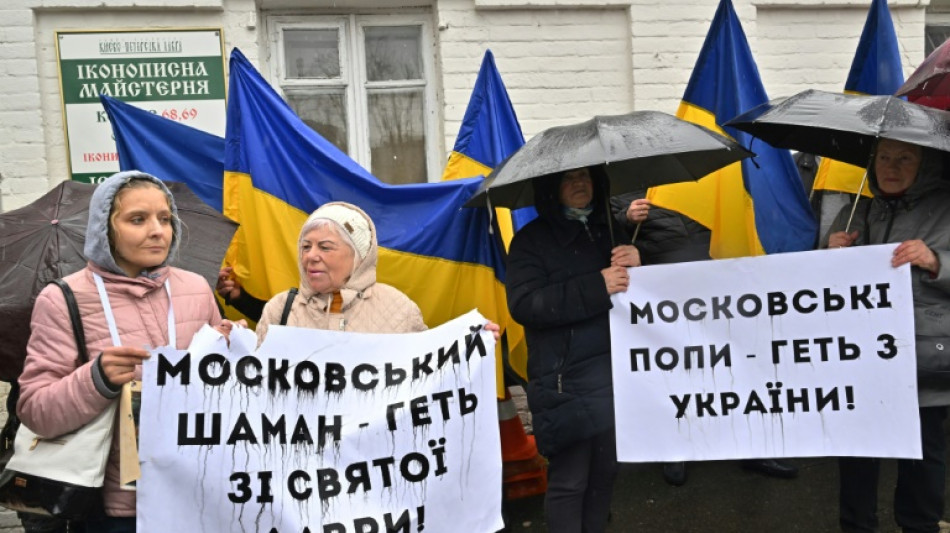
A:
x: 495, y: 330
x: 625, y: 255
x: 918, y: 254
x: 119, y: 362
x: 227, y: 286
x: 638, y: 210
x: 840, y: 239
x: 225, y: 327
x: 616, y: 278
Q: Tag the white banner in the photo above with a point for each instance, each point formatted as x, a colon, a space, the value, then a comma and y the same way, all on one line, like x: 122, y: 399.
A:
x: 789, y: 355
x: 323, y: 431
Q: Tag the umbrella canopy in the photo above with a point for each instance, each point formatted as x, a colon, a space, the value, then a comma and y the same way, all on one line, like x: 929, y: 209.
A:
x: 44, y: 241
x: 637, y: 150
x: 929, y: 85
x: 844, y: 126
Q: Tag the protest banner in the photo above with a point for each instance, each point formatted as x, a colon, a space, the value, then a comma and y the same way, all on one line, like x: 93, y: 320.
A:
x: 323, y: 431
x: 787, y: 355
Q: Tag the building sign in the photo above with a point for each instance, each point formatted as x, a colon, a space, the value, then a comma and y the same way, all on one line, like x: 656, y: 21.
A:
x: 178, y: 74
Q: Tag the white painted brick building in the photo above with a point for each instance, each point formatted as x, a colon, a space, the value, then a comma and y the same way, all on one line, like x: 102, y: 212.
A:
x: 562, y: 60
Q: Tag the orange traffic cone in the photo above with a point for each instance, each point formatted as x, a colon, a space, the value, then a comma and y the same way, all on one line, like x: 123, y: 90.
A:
x: 524, y: 471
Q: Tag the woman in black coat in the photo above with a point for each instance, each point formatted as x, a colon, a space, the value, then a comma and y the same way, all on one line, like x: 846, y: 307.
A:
x: 562, y: 269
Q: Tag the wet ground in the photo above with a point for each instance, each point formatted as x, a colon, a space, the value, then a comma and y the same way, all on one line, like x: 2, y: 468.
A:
x: 721, y: 497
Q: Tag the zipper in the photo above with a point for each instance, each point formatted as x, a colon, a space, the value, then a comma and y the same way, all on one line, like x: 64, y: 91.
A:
x: 562, y: 361
x: 892, y: 212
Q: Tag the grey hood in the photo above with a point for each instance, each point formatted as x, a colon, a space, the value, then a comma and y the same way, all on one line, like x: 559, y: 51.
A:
x: 97, y: 249
x: 929, y: 177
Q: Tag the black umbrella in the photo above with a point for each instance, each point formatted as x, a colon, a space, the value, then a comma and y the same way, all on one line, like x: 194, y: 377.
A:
x: 844, y: 126
x: 44, y: 241
x: 637, y: 150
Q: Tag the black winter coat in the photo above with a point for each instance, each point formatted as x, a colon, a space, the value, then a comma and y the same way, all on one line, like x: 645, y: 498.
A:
x: 665, y: 236
x: 556, y: 291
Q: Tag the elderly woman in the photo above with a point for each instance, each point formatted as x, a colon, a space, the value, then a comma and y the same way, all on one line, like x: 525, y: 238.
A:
x: 562, y: 269
x: 337, y: 252
x: 911, y: 206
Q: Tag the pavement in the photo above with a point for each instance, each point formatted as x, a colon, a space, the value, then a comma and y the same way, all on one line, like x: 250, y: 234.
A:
x: 722, y: 497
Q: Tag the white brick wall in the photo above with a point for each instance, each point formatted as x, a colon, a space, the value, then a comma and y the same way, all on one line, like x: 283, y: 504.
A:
x: 561, y: 60
x: 560, y: 65
x: 32, y: 145
x: 814, y: 48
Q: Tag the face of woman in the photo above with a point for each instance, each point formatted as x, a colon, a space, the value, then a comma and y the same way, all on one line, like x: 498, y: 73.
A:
x: 141, y: 229
x: 577, y: 189
x: 896, y: 164
x: 326, y: 260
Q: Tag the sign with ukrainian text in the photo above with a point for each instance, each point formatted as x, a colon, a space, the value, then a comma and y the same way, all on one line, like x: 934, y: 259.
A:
x: 322, y: 431
x: 178, y: 74
x: 785, y: 355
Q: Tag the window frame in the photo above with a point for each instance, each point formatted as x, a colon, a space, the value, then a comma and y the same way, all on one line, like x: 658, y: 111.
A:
x: 353, y: 75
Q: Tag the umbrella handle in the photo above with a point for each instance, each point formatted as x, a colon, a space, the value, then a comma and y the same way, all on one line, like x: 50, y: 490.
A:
x: 636, y: 232
x: 857, y: 198
x: 610, y: 222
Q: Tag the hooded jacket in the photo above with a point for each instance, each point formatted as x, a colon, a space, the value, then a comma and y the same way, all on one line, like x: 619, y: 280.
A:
x: 58, y: 396
x: 556, y: 291
x: 922, y: 212
x: 368, y: 306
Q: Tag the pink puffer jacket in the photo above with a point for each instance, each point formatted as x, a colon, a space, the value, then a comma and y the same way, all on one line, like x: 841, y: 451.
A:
x: 56, y: 397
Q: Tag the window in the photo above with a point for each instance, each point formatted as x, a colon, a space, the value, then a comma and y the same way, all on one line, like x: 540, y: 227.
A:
x: 937, y: 28
x: 935, y: 35
x: 363, y: 82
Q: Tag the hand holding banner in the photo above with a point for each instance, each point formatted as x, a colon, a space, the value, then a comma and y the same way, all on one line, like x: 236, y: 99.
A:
x: 788, y: 355
x: 331, y: 431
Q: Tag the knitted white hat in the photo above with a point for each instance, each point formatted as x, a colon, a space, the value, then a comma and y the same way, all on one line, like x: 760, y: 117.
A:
x: 353, y: 223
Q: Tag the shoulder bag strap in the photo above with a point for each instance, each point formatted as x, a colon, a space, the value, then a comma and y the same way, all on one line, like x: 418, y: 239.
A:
x: 13, y: 422
x: 75, y: 319
x: 291, y: 294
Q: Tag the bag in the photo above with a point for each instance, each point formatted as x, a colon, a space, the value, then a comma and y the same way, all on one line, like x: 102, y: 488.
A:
x: 933, y: 361
x: 60, y: 477
x: 932, y: 326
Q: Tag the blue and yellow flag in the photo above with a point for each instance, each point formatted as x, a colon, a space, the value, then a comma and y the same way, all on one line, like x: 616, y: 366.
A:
x: 751, y: 207
x: 278, y: 170
x: 167, y: 149
x: 489, y: 133
x: 876, y: 69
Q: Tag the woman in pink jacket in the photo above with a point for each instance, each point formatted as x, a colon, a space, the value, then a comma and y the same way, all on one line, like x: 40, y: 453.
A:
x: 133, y: 229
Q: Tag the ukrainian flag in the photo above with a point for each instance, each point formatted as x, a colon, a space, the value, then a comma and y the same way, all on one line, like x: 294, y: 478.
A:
x: 167, y: 149
x: 753, y: 206
x: 489, y: 133
x: 876, y: 69
x: 278, y: 170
